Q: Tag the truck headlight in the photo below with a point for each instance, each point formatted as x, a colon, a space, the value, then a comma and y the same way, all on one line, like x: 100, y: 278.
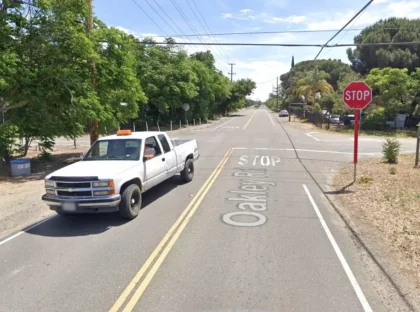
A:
x: 101, y: 184
x: 49, y: 183
x: 50, y: 192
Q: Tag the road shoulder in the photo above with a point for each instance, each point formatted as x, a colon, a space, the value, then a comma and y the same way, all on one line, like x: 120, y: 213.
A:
x: 382, y: 213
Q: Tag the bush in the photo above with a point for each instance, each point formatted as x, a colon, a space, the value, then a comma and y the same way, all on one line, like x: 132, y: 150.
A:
x: 365, y: 180
x: 376, y: 120
x: 8, y: 136
x: 391, y: 150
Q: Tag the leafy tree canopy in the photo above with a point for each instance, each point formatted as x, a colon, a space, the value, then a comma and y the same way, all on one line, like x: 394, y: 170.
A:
x: 365, y: 58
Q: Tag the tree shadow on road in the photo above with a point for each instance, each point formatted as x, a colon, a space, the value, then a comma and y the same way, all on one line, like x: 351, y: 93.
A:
x: 92, y: 224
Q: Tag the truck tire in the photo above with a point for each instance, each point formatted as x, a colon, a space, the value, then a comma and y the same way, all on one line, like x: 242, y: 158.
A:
x: 188, y: 173
x: 130, y: 204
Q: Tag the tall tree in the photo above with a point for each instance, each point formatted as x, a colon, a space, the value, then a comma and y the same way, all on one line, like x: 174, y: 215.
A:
x: 314, y: 81
x: 365, y: 58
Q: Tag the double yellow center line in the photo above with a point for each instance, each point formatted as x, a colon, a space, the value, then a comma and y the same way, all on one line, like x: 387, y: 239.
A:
x: 151, y: 266
x: 249, y: 121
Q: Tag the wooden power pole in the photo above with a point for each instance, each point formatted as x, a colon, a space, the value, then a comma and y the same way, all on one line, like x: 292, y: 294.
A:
x: 93, y: 124
x: 277, y: 94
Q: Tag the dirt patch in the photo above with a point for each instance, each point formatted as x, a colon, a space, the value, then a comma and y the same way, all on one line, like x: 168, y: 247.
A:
x: 20, y: 197
x: 384, y: 204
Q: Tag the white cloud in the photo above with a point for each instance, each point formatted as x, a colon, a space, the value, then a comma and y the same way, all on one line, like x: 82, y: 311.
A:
x: 293, y: 19
x: 227, y: 15
x: 245, y: 11
x: 244, y: 14
x: 335, y: 20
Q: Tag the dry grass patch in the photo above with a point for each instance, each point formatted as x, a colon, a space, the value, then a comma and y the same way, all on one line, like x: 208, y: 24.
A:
x: 387, y: 198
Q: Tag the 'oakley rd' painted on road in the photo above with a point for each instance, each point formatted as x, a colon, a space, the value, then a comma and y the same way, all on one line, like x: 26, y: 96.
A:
x: 252, y: 195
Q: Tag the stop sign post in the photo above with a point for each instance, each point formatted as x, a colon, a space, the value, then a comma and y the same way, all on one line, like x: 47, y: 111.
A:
x: 357, y: 95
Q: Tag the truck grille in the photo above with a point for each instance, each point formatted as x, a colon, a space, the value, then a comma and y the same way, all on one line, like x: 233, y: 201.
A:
x: 73, y: 184
x: 81, y: 187
x: 75, y: 193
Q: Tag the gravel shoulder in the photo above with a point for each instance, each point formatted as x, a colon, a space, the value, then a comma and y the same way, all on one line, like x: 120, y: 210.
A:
x: 20, y: 197
x: 383, y: 207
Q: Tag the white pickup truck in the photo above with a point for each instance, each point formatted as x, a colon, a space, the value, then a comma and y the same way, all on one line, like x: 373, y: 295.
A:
x: 116, y: 171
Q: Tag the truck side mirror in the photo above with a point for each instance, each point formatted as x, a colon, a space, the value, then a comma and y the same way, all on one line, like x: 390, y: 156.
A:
x: 149, y: 154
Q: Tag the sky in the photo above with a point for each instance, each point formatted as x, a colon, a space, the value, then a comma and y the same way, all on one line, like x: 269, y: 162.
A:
x: 261, y: 64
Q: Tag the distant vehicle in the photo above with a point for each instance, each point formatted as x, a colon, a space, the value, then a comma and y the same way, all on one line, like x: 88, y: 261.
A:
x: 116, y: 171
x: 334, y: 119
x: 349, y: 119
x: 284, y: 113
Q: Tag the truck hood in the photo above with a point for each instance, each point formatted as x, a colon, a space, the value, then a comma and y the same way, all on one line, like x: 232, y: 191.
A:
x: 103, y: 169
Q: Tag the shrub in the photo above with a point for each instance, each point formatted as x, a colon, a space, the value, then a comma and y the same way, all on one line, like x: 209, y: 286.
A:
x: 391, y: 150
x: 376, y: 120
x: 365, y: 180
x: 393, y: 170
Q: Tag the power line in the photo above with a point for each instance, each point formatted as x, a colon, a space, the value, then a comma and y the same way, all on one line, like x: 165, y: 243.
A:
x: 294, y: 44
x: 147, y: 1
x: 351, y: 20
x: 192, y: 10
x: 275, y: 32
x: 145, y: 13
x: 176, y: 25
x: 208, y: 28
x: 345, y: 34
x: 185, y: 18
x: 266, y: 81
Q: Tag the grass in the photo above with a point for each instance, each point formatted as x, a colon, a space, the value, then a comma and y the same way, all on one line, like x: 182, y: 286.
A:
x: 365, y: 180
x: 387, y: 207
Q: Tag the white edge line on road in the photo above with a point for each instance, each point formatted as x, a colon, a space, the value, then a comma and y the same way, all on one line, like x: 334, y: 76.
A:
x: 270, y: 118
x: 301, y: 150
x: 346, y: 267
x: 26, y: 229
x: 231, y: 118
x: 311, y: 136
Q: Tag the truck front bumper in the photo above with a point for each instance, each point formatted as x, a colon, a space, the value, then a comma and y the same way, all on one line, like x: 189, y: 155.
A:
x: 82, y: 205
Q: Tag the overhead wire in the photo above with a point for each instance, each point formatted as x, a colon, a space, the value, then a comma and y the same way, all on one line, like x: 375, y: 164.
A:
x: 176, y: 25
x: 345, y: 34
x: 192, y: 10
x: 274, y: 32
x: 295, y: 44
x: 351, y: 20
x: 208, y: 28
x: 145, y: 13
x: 148, y: 3
x: 191, y: 26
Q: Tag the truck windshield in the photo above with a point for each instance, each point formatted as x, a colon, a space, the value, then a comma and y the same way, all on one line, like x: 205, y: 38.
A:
x: 118, y: 149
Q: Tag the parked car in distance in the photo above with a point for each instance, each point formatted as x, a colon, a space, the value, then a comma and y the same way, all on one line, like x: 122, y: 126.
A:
x: 334, y: 119
x: 284, y: 113
x: 117, y: 170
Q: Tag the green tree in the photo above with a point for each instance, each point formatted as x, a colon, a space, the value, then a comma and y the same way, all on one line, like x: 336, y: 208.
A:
x: 314, y: 81
x: 395, y: 88
x: 365, y: 58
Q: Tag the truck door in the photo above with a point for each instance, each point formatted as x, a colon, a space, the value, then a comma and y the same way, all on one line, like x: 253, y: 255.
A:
x: 170, y: 156
x: 154, y: 168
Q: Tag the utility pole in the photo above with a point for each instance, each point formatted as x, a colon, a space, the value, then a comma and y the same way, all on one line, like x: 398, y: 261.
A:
x: 231, y: 71
x: 93, y: 124
x: 277, y: 93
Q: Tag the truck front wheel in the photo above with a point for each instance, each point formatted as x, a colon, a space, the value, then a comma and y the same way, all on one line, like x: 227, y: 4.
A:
x: 188, y: 173
x: 130, y: 204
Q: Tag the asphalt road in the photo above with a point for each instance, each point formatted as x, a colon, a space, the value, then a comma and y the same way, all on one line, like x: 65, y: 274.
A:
x: 254, y: 231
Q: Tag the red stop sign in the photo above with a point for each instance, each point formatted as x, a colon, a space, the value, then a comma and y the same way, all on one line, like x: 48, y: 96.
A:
x: 357, y: 95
